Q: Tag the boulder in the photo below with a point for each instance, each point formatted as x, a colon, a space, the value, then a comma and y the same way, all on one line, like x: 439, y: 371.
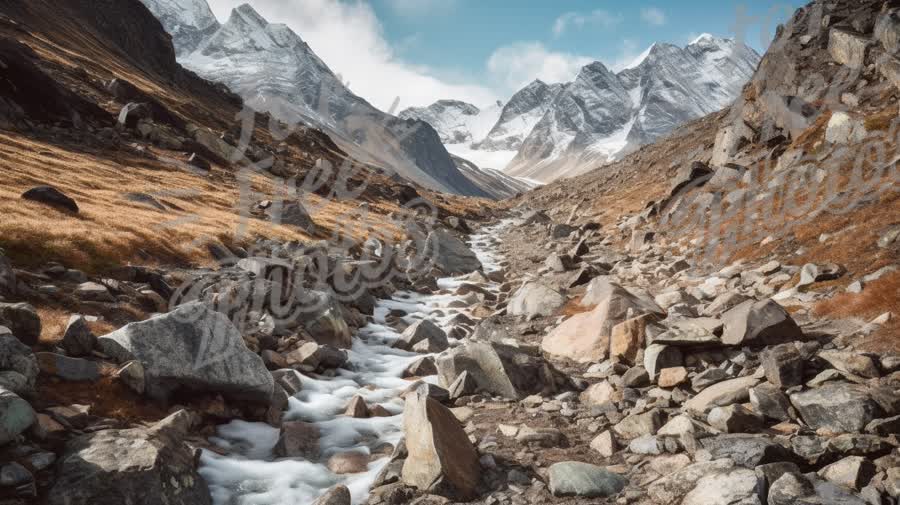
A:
x: 638, y: 425
x: 22, y: 320
x: 843, y: 128
x: 441, y: 458
x: 605, y: 444
x: 139, y: 466
x: 848, y: 48
x: 292, y: 213
x: 599, y: 394
x: 748, y: 451
x: 697, y: 173
x: 93, y: 292
x: 48, y: 195
x: 573, y: 478
x: 535, y: 299
x: 17, y: 357
x: 721, y: 394
x: 853, y: 472
x: 659, y: 357
x: 627, y: 338
x: 673, y: 487
x: 67, y: 368
x: 422, y: 367
x: 434, y: 337
x: 586, y: 337
x: 735, y: 419
x: 450, y: 254
x: 694, y: 332
x: 838, y: 406
x: 673, y: 376
x: 852, y: 363
x: 7, y: 277
x: 193, y: 348
x: 793, y: 488
x: 768, y: 400
x: 783, y: 365
x: 759, y: 323
x: 812, y: 273
x: 315, y: 356
x: 16, y: 416
x: 534, y: 217
x: 338, y: 495
x: 497, y: 369
x: 298, y: 439
x: 78, y: 339
x: 736, y: 487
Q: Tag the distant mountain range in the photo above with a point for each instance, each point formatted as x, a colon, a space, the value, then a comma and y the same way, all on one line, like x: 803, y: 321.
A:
x: 545, y: 131
x: 559, y: 130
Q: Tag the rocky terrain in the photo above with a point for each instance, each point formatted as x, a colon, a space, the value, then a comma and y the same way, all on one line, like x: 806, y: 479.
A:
x: 194, y: 311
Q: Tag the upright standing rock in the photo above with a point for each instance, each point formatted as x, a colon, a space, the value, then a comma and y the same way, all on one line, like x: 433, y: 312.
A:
x: 441, y: 458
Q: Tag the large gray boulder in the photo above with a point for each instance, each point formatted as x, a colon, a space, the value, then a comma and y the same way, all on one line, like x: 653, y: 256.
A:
x: 423, y: 334
x: 839, y: 407
x: 17, y: 357
x: 7, y: 277
x: 759, y: 323
x: 16, y: 416
x: 140, y: 466
x: 848, y: 48
x: 535, y: 299
x: 794, y: 488
x: 573, y: 478
x: 497, y: 369
x: 441, y: 458
x: 450, y: 254
x: 193, y: 348
x: 23, y: 320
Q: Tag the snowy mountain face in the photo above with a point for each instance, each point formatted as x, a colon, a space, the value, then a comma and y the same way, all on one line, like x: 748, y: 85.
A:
x: 519, y: 116
x: 602, y: 116
x: 274, y: 70
x: 456, y: 122
x: 189, y: 22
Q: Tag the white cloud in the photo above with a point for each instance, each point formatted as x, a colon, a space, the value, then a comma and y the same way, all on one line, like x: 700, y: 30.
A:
x: 516, y: 65
x: 350, y: 39
x: 579, y: 20
x: 653, y: 16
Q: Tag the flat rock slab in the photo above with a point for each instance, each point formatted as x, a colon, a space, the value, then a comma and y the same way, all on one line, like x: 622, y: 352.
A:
x: 572, y: 478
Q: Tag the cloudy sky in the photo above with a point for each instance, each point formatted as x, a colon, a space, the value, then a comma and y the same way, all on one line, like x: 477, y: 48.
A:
x: 485, y: 50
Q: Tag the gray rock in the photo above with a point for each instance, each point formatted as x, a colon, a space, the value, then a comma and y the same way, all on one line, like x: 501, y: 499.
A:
x: 673, y: 487
x: 14, y: 474
x: 67, y: 368
x: 298, y: 439
x: 783, y: 365
x: 721, y: 394
x: 16, y: 416
x: 657, y: 357
x: 768, y: 400
x: 736, y: 487
x: 15, y: 382
x: 48, y: 195
x: 7, y: 277
x: 735, y: 419
x: 707, y: 378
x: 853, y: 472
x: 338, y: 495
x: 423, y: 331
x: 464, y: 385
x: 696, y: 332
x: 17, y: 357
x: 848, y: 48
x: 94, y: 292
x: 852, y: 363
x: 23, y: 320
x: 317, y: 357
x: 441, y: 458
x: 763, y: 322
x: 140, y: 465
x: 497, y: 369
x: 195, y: 348
x: 450, y: 254
x: 535, y: 299
x: 747, y: 450
x: 292, y: 214
x: 78, y: 339
x: 793, y: 489
x: 837, y: 406
x: 637, y: 425
x: 572, y: 478
x: 812, y: 273
x: 636, y: 377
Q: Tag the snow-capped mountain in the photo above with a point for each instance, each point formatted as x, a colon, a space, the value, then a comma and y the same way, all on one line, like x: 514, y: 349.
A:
x: 602, y: 116
x: 519, y: 116
x: 456, y: 122
x: 274, y: 70
x: 189, y: 22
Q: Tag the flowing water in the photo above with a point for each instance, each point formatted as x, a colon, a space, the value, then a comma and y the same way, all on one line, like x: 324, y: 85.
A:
x: 251, y: 475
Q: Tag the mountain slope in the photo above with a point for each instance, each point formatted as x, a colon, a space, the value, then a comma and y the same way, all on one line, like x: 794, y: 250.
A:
x: 276, y: 71
x: 602, y: 116
x: 519, y: 116
x: 456, y: 122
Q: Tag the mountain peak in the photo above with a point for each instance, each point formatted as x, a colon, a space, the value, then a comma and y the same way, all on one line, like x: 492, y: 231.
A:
x: 247, y: 14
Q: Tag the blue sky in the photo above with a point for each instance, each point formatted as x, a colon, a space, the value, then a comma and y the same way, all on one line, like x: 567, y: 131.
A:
x: 484, y: 50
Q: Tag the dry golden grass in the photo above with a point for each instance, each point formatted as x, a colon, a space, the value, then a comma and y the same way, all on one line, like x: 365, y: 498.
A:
x: 881, y: 121
x: 110, y: 230
x: 107, y: 397
x: 877, y: 298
